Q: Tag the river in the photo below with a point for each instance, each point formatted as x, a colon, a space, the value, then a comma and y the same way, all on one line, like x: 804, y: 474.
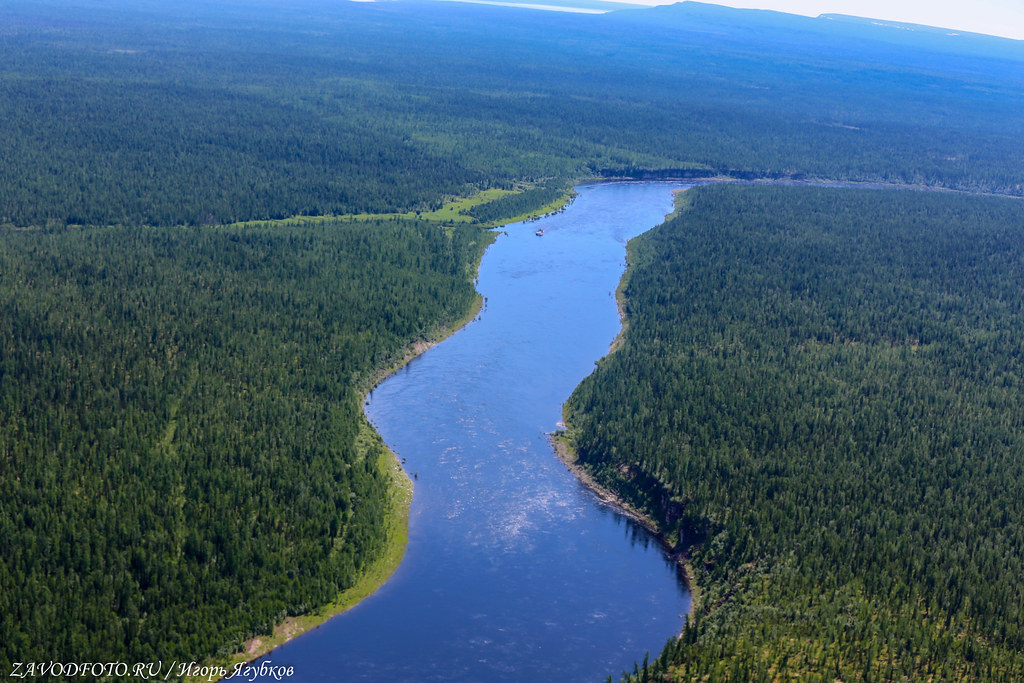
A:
x: 514, y: 571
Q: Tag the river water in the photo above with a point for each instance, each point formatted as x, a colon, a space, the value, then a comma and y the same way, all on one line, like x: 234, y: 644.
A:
x: 514, y: 571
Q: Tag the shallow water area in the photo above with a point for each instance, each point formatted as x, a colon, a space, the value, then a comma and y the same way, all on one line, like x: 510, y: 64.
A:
x: 514, y: 571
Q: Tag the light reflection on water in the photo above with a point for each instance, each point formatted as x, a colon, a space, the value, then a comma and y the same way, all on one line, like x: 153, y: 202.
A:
x: 513, y: 570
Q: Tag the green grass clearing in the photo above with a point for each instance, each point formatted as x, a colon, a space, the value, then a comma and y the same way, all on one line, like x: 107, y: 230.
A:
x: 449, y: 214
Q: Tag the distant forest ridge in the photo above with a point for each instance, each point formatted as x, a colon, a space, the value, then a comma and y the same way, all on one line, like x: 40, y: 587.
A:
x: 128, y: 114
x: 948, y: 38
x: 919, y: 37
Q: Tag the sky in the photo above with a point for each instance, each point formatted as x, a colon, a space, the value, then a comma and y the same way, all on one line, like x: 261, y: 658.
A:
x: 994, y: 17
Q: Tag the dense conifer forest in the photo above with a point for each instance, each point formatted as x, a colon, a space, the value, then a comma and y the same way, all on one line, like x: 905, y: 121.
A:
x: 183, y: 460
x: 180, y: 425
x: 818, y: 398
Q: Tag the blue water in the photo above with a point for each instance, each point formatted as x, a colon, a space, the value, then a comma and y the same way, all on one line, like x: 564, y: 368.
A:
x: 514, y: 571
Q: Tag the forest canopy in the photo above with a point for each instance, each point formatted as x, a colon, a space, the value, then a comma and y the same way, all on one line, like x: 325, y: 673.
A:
x: 180, y: 425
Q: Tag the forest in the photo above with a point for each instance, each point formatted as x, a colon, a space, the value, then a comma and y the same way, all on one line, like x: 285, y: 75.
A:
x: 118, y: 114
x: 187, y: 323
x: 180, y: 418
x: 818, y: 400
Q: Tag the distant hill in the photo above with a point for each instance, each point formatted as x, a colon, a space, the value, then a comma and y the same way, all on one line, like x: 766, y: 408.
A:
x: 821, y: 31
x: 589, y: 6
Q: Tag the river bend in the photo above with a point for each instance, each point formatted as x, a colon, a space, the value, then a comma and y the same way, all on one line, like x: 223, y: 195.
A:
x: 514, y: 571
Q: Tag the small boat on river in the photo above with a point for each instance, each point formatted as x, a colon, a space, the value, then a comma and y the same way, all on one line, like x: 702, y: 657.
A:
x: 540, y: 232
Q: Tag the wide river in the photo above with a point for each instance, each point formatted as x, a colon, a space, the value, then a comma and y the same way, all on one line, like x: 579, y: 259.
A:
x: 514, y: 571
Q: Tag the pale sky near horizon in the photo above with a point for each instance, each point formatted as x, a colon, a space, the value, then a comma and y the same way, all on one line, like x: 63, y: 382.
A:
x: 994, y: 17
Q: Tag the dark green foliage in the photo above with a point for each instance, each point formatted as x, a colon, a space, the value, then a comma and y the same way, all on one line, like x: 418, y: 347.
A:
x: 819, y: 396
x: 110, y: 152
x: 179, y: 421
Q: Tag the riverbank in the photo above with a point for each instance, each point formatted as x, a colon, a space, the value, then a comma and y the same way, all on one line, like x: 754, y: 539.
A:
x: 379, y: 571
x: 396, y: 520
x: 680, y: 202
x: 567, y: 454
x: 453, y: 210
